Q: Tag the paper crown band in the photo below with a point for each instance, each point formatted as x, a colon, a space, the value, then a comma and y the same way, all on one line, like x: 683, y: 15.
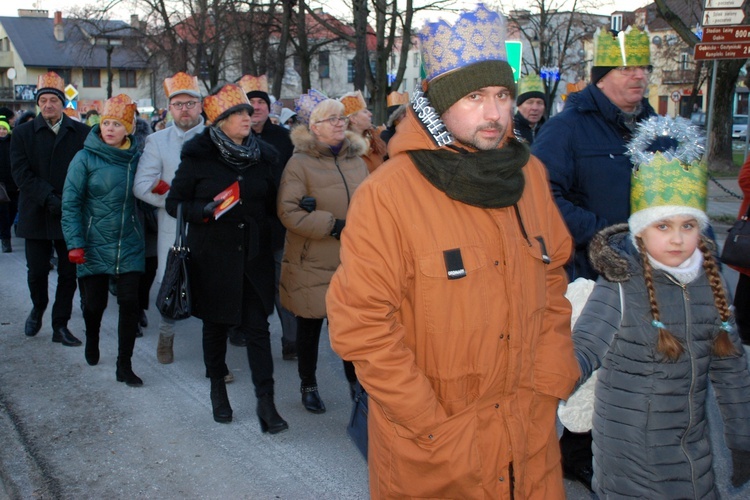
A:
x: 353, y: 102
x: 121, y: 108
x: 530, y: 83
x: 475, y: 37
x: 306, y: 103
x: 181, y: 83
x: 397, y: 98
x: 629, y: 48
x: 227, y: 100
x: 250, y: 83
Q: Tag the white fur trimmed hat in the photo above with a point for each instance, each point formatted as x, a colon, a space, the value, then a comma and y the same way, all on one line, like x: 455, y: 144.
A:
x: 641, y: 219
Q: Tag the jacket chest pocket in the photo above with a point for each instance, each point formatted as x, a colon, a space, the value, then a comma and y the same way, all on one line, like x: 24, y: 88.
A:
x: 453, y: 290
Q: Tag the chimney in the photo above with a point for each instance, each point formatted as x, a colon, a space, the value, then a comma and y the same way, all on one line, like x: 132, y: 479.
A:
x: 134, y: 22
x: 59, y: 31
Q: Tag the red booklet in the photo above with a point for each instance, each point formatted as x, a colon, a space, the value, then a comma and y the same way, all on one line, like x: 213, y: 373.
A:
x: 231, y: 197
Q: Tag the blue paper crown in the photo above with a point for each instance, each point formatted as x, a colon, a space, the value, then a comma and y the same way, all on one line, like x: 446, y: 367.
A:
x: 475, y: 37
x: 305, y: 104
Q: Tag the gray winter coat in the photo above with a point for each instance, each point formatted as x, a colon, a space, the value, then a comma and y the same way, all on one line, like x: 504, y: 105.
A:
x: 650, y: 430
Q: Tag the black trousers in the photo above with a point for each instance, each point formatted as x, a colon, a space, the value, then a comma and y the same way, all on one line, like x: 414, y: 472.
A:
x: 147, y: 279
x: 742, y: 308
x: 308, y: 340
x: 96, y: 290
x: 8, y: 215
x: 255, y: 329
x: 38, y: 253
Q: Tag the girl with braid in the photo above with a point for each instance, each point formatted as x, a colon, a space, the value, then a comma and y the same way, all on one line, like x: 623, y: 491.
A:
x: 658, y: 327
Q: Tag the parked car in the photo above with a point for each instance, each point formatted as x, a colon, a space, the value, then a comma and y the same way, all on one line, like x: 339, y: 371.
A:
x: 739, y: 127
x: 698, y: 118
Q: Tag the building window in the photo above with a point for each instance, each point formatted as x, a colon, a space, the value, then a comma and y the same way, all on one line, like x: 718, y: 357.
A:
x: 350, y: 71
x: 416, y: 59
x: 5, y: 45
x: 416, y: 84
x: 127, y: 78
x: 324, y: 68
x: 684, y: 62
x: 615, y: 22
x: 92, y: 78
x: 65, y: 74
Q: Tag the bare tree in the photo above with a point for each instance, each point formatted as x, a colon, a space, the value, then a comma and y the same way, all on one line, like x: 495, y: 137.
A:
x: 719, y: 150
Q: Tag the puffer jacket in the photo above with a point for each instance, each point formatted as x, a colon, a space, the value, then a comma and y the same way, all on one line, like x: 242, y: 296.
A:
x: 584, y: 151
x: 311, y: 254
x: 650, y: 429
x: 99, y: 213
x: 464, y: 375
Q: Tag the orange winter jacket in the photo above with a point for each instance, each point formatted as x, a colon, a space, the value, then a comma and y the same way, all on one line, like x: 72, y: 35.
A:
x: 464, y: 374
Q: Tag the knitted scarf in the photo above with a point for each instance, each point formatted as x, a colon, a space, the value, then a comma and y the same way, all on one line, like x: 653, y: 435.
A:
x: 238, y: 155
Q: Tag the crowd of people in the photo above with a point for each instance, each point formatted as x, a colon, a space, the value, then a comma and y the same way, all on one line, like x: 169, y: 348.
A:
x: 437, y: 247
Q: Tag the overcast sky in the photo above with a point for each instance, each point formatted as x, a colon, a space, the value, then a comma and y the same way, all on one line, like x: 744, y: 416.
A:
x: 10, y: 7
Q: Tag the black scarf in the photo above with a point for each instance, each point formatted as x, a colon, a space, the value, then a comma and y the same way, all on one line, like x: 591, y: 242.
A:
x: 486, y: 179
x: 238, y: 155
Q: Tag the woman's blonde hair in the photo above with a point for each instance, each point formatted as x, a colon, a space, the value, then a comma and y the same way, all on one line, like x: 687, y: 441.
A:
x: 668, y: 344
x: 325, y: 108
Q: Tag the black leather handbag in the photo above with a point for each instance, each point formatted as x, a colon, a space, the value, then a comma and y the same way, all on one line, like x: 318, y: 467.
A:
x: 357, y: 428
x: 736, y: 251
x: 174, y: 300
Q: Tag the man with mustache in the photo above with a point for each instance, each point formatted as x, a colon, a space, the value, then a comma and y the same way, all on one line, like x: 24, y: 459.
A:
x: 449, y: 296
x: 584, y: 151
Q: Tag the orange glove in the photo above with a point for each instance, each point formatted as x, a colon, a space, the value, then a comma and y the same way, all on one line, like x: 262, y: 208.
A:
x: 76, y: 256
x: 161, y: 187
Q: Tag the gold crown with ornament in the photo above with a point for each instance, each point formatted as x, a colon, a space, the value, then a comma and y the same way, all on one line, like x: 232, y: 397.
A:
x: 630, y: 47
x: 353, y: 102
x: 181, y: 83
x: 668, y: 182
x: 530, y: 83
x: 122, y: 109
x: 250, y: 83
x: 50, y: 80
x: 229, y: 99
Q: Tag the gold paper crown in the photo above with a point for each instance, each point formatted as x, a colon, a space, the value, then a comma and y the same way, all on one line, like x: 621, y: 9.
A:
x: 475, y: 37
x: 664, y: 182
x: 397, y: 98
x: 353, y: 102
x: 530, y: 83
x: 305, y: 104
x: 220, y: 104
x: 72, y: 113
x: 628, y: 48
x: 181, y: 83
x: 120, y: 108
x: 50, y: 80
x: 250, y: 83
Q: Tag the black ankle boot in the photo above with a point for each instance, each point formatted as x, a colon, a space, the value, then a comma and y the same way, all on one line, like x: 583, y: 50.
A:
x: 125, y: 373
x: 311, y: 399
x: 220, y: 401
x: 92, y: 348
x: 270, y: 420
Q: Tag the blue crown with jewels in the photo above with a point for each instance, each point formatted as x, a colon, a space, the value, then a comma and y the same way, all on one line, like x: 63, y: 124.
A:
x: 475, y: 37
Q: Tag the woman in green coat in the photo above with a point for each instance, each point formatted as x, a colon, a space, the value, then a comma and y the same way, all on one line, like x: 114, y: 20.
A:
x: 101, y: 229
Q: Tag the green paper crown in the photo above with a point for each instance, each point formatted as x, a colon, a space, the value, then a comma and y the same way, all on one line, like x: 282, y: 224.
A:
x: 629, y: 48
x: 530, y: 83
x: 668, y: 182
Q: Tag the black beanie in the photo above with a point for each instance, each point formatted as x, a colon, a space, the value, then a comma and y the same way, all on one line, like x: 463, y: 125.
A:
x: 531, y: 95
x: 598, y: 72
x: 446, y: 89
x: 262, y: 95
x: 50, y: 90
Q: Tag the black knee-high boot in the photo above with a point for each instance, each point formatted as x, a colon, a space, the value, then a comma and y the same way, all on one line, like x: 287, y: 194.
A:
x: 220, y: 401
x: 126, y: 341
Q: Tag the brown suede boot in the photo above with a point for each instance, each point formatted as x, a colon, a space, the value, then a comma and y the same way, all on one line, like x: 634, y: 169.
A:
x: 164, y: 353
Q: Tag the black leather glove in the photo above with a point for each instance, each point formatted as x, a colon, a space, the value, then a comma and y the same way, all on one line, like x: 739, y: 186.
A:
x: 308, y: 204
x: 53, y: 204
x: 208, y: 210
x: 740, y: 467
x: 338, y: 226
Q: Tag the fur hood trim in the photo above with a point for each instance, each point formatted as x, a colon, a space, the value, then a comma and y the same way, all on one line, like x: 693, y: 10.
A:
x: 614, y: 256
x: 304, y: 142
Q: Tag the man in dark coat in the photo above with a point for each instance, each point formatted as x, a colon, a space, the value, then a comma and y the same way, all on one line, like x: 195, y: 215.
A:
x: 531, y: 105
x: 256, y: 89
x: 40, y: 152
x: 584, y: 151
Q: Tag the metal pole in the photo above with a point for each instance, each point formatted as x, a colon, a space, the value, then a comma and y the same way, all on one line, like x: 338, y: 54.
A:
x: 710, y: 119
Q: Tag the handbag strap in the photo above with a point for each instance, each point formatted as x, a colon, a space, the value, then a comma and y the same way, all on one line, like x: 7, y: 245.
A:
x: 179, y: 237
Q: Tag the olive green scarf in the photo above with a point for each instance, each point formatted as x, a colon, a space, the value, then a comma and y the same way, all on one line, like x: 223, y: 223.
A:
x: 486, y: 179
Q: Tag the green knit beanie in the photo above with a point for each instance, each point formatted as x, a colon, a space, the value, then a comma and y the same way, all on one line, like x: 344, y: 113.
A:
x: 446, y: 89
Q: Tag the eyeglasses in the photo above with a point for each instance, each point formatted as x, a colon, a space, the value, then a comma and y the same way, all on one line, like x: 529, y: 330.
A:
x: 188, y: 105
x: 334, y: 120
x: 630, y: 70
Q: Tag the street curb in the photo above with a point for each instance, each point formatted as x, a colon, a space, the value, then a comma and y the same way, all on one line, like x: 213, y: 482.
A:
x: 21, y: 474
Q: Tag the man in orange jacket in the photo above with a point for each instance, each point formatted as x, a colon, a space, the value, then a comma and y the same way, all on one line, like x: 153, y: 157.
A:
x: 449, y: 299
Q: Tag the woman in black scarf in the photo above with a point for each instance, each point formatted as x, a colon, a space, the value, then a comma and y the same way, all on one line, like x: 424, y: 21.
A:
x: 231, y: 263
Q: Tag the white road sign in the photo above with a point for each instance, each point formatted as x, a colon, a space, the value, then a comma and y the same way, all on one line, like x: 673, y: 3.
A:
x: 722, y: 17
x: 724, y: 4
